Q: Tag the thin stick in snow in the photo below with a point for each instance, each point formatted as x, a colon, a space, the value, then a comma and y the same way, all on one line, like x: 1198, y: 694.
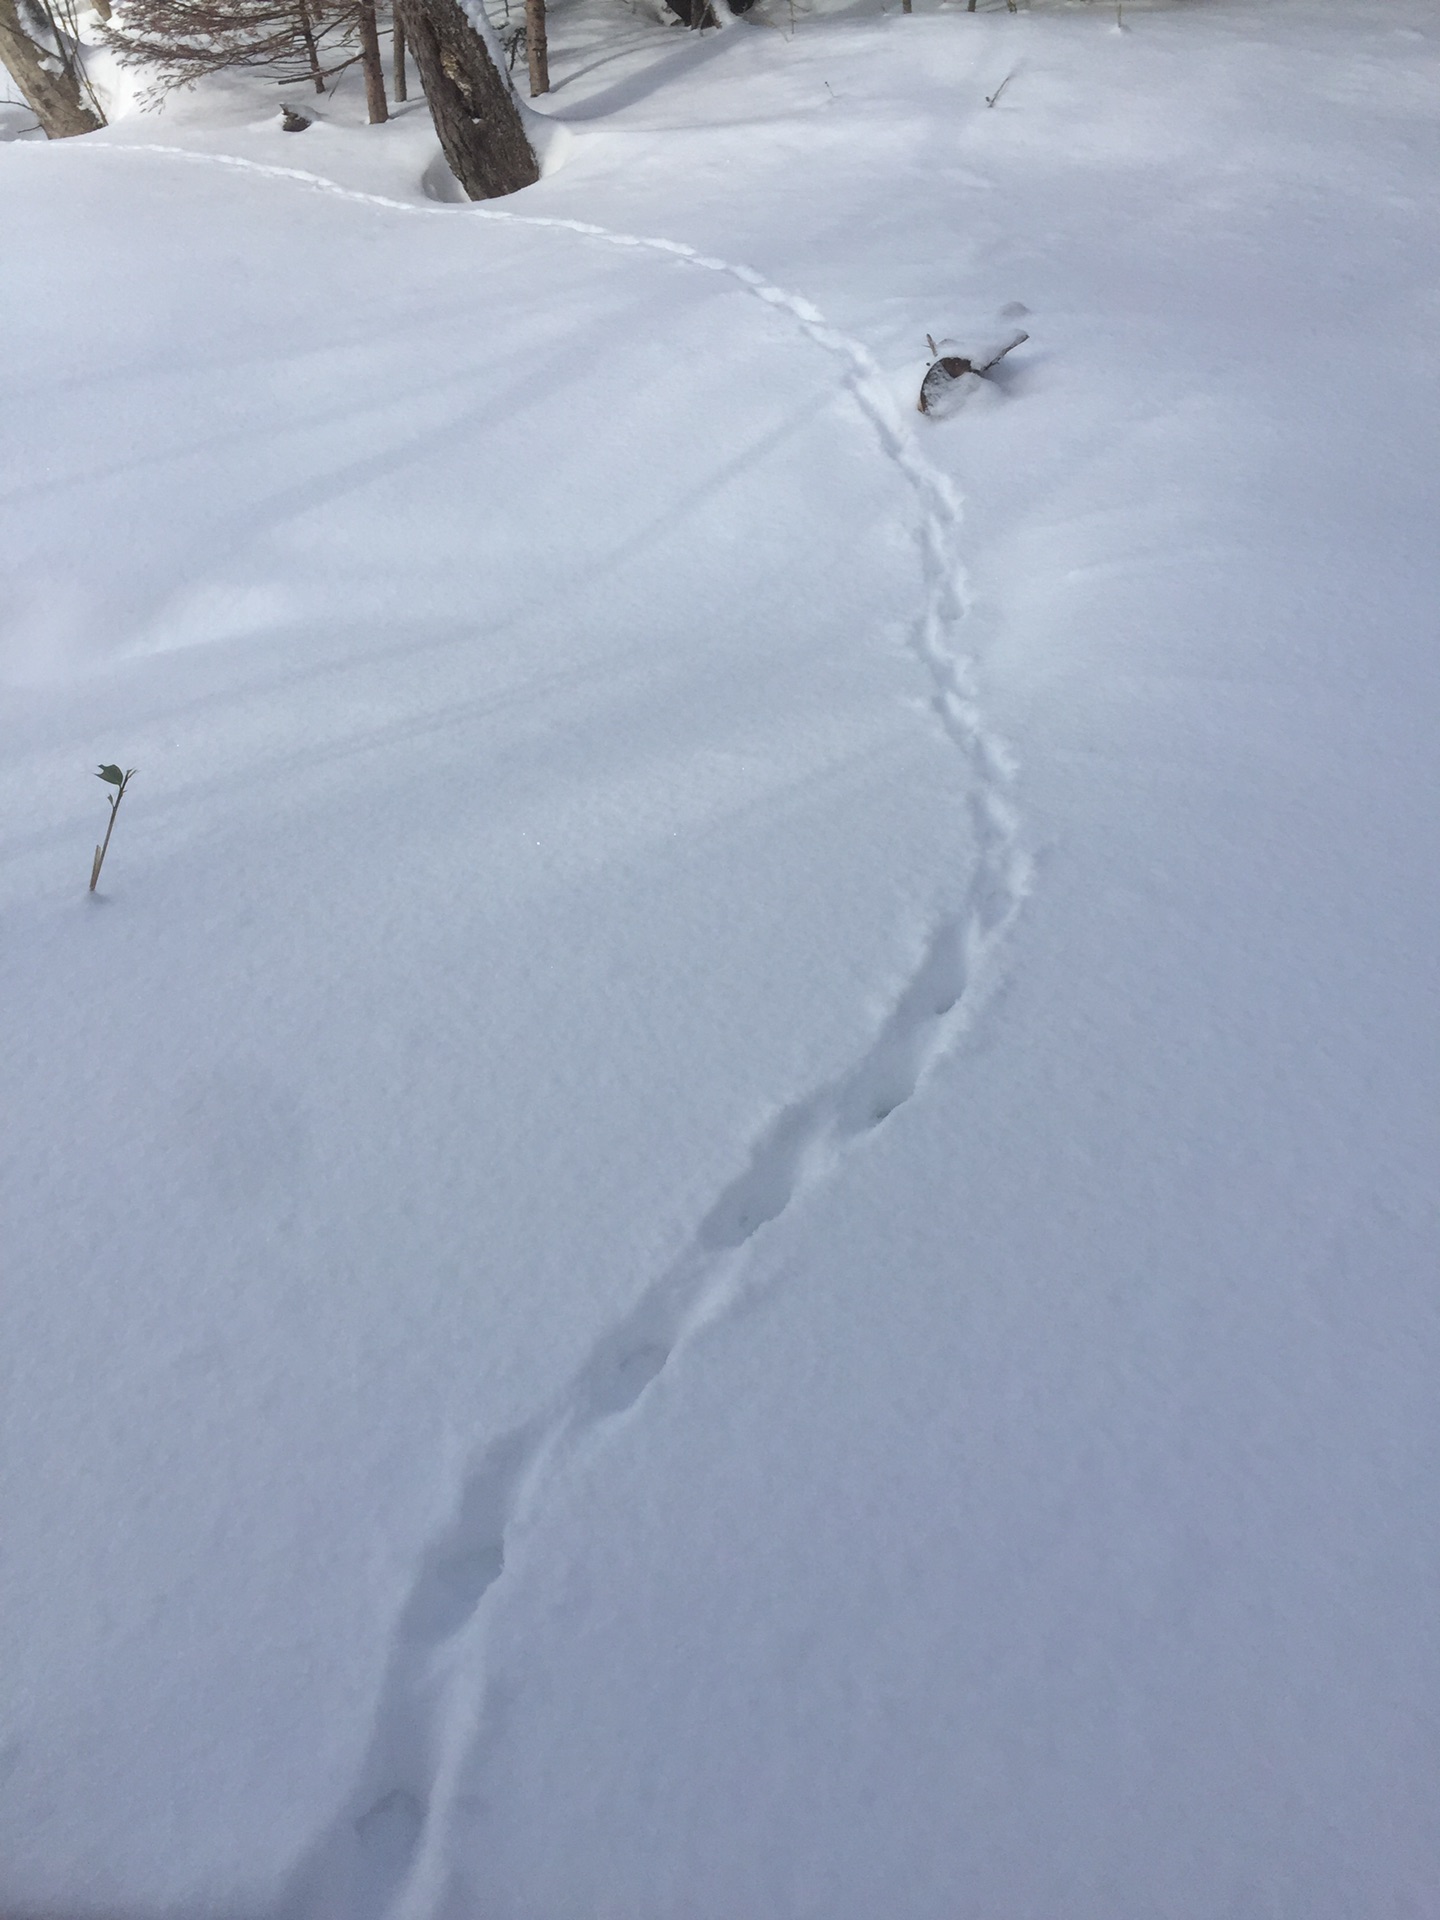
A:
x: 120, y: 781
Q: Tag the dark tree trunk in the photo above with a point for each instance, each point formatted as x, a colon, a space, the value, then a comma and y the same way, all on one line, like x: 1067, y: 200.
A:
x: 307, y: 34
x: 695, y: 13
x: 537, y: 48
x: 55, y: 99
x: 371, y: 63
x: 397, y: 65
x: 475, y: 113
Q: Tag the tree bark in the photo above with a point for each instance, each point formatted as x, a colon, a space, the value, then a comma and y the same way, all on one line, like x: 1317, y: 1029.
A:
x: 537, y: 48
x: 307, y: 33
x: 397, y: 67
x: 50, y: 85
x: 471, y: 103
x: 372, y: 65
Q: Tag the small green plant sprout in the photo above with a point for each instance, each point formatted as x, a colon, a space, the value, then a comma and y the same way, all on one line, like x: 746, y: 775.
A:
x: 120, y: 781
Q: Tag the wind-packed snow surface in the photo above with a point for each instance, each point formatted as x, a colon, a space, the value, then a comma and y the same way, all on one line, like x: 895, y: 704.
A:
x: 730, y: 1205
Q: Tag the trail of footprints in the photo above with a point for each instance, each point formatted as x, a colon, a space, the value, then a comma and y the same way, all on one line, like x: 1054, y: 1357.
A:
x: 383, y: 1854
x: 363, y: 1863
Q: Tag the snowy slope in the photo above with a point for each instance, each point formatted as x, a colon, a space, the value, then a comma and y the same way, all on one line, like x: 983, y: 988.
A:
x: 610, y: 1307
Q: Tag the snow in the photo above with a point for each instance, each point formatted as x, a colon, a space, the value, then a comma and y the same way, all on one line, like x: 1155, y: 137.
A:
x: 729, y: 1206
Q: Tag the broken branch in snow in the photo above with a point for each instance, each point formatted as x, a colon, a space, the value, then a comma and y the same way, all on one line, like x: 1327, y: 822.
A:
x: 947, y: 368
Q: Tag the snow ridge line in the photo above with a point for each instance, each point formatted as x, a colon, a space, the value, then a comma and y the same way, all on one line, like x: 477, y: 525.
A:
x: 384, y: 1856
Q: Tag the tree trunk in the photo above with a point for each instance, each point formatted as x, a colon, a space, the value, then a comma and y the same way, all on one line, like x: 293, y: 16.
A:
x: 695, y: 13
x: 536, y: 47
x: 372, y: 65
x: 397, y: 69
x: 312, y: 52
x: 51, y: 86
x: 474, y: 110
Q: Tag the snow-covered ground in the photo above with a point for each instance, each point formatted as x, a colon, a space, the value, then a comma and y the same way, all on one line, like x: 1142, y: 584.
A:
x: 730, y: 1207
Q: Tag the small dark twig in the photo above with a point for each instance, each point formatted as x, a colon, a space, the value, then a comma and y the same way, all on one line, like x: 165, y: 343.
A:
x: 324, y: 73
x: 512, y: 43
x: 120, y: 781
x: 991, y: 98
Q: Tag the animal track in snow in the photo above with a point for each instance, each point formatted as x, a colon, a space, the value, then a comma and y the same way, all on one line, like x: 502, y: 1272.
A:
x: 384, y: 1854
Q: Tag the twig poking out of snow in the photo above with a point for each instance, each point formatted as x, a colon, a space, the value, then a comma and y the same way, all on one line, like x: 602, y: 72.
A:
x: 120, y: 781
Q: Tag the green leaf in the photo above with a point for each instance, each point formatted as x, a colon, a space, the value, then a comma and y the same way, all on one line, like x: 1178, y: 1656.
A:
x: 113, y: 775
